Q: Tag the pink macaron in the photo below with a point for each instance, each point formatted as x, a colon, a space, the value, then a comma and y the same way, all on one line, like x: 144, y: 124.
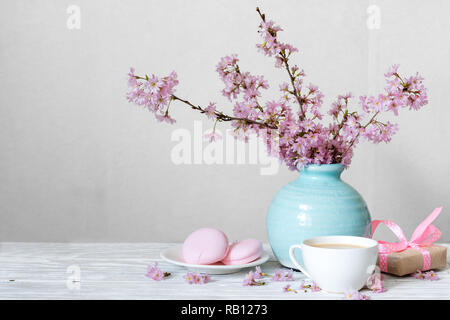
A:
x: 243, y: 252
x: 205, y: 246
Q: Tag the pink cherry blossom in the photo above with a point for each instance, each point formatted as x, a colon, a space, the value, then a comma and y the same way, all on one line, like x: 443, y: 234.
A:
x: 282, y: 275
x: 155, y: 273
x: 251, y: 278
x: 312, y: 286
x: 190, y: 278
x: 431, y: 275
x: 375, y: 283
x: 392, y: 71
x: 197, y: 278
x: 212, y: 136
x: 315, y: 287
x: 211, y: 110
x: 355, y: 295
x: 278, y: 276
x: 289, y: 276
x: 287, y: 288
x: 258, y: 273
x: 165, y: 118
x: 151, y: 269
x: 154, y: 85
x: 303, y: 285
x: 206, y: 278
x: 418, y: 275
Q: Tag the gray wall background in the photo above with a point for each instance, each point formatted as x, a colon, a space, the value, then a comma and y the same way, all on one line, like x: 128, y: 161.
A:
x: 79, y: 163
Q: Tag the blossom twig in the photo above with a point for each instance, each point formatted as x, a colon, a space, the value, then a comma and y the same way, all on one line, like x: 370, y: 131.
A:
x: 223, y: 117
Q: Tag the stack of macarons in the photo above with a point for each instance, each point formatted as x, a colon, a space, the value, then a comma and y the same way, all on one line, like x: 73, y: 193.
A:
x: 209, y: 245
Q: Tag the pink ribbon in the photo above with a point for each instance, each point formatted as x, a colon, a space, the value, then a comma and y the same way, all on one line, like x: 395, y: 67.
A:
x: 424, y: 235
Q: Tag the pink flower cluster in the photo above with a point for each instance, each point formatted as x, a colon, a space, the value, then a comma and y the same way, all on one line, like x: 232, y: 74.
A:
x: 292, y: 125
x: 237, y: 82
x: 302, y: 139
x: 355, y: 295
x: 197, y: 278
x: 282, y: 275
x: 153, y: 93
x: 271, y: 46
x: 253, y: 278
x: 429, y: 275
x: 155, y: 273
x: 313, y: 287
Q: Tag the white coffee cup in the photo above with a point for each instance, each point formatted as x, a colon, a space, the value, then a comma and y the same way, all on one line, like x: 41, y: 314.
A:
x: 337, y: 269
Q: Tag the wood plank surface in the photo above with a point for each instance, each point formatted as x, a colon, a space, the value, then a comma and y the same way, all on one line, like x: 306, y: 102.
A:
x: 116, y: 271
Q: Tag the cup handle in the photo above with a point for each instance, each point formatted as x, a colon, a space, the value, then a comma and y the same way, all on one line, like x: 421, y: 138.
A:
x: 292, y: 256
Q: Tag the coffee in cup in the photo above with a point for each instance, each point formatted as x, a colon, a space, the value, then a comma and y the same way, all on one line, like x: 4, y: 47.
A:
x: 337, y: 263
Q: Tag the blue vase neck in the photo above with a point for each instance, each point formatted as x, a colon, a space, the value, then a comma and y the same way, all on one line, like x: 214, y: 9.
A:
x: 321, y: 171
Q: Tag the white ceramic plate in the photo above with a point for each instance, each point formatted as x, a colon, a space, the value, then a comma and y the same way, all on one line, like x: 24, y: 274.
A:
x: 173, y: 255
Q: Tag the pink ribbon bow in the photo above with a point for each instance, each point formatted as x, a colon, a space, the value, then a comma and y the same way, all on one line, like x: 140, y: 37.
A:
x: 424, y: 235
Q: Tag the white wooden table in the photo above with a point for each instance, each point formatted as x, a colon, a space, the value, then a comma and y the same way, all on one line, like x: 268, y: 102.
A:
x: 116, y: 271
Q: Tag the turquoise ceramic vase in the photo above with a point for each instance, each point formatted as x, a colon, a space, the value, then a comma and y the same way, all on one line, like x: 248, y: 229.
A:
x: 318, y: 203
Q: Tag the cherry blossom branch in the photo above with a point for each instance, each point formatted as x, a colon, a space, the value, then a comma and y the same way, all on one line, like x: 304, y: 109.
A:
x: 357, y: 136
x: 285, y: 59
x: 223, y: 117
x: 262, y: 15
x: 302, y: 139
x: 292, y: 78
x: 220, y: 116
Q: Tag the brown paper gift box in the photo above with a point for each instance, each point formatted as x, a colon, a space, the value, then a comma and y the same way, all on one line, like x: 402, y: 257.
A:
x: 410, y: 260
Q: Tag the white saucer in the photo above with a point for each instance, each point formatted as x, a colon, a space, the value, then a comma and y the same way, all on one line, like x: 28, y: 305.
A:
x: 173, y: 255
